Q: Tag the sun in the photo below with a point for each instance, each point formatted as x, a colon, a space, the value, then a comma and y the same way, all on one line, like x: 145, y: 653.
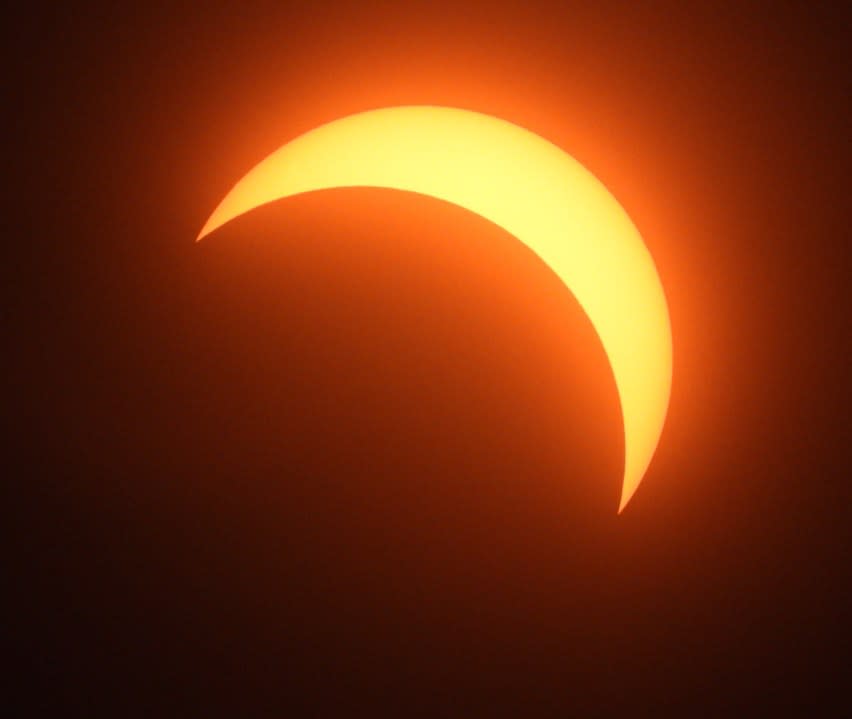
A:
x: 532, y: 189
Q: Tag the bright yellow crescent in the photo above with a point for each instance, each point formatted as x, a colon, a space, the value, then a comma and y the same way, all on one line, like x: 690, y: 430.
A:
x: 530, y: 188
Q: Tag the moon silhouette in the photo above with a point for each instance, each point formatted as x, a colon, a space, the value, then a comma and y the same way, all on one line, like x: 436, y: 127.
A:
x: 530, y: 188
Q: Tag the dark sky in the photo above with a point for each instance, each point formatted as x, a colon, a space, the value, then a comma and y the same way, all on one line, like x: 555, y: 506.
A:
x: 360, y: 451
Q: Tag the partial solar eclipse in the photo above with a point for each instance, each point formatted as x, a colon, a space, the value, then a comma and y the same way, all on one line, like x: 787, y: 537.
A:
x: 530, y: 188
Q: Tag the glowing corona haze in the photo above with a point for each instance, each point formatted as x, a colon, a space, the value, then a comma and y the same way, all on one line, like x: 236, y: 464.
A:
x: 530, y: 188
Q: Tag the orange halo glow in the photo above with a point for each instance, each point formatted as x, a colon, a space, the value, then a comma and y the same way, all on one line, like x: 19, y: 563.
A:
x: 530, y: 188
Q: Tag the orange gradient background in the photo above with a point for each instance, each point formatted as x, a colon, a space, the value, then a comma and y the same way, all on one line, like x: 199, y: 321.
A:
x: 361, y: 447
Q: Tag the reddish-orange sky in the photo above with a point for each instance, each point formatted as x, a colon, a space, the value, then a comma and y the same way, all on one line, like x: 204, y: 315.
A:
x: 361, y: 449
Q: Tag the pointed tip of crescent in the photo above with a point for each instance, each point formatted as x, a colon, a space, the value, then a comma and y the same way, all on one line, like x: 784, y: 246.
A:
x: 206, y: 230
x: 626, y: 496
x: 214, y: 222
x: 211, y: 224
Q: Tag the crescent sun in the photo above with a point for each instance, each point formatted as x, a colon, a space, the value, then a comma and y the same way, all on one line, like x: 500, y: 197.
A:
x: 530, y: 188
